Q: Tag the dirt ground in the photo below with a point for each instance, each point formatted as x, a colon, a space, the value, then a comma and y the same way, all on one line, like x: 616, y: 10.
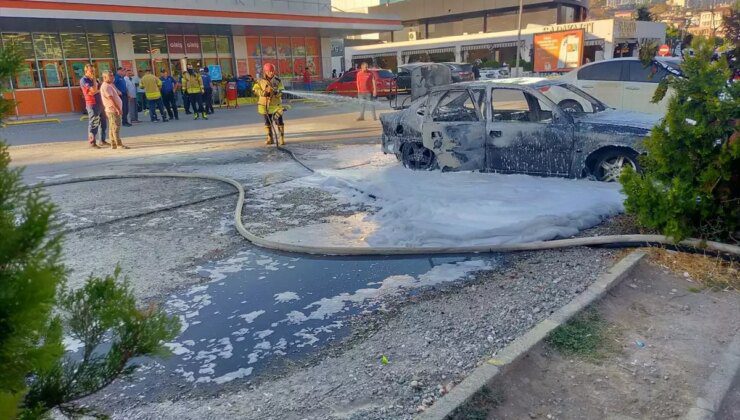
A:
x: 667, y: 340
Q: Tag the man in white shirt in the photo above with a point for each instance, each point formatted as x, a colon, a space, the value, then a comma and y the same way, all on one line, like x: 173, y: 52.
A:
x: 133, y: 112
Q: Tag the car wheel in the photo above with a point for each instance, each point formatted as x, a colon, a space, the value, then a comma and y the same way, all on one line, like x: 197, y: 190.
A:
x: 417, y: 157
x: 610, y: 164
x: 571, y: 106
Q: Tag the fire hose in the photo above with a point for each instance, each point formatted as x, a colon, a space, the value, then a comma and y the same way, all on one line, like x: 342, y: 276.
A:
x: 699, y: 245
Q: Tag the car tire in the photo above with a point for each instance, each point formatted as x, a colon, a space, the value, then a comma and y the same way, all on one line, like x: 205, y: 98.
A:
x: 570, y: 105
x: 610, y: 163
x: 417, y: 157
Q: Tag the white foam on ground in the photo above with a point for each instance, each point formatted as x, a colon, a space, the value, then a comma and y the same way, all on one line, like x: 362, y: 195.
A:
x: 250, y: 317
x: 327, y: 307
x: 286, y: 297
x: 432, y: 208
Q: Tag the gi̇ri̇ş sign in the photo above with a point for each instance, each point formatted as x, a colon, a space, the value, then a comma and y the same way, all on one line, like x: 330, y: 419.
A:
x: 558, y: 51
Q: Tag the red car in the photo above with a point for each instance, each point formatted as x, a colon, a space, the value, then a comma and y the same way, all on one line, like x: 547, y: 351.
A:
x: 385, y: 82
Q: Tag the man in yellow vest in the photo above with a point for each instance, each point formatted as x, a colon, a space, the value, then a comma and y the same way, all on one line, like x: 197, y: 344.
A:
x: 192, y: 83
x: 152, y: 85
x: 269, y: 89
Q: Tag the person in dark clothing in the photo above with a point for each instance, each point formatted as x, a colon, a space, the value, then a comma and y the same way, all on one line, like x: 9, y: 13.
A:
x: 476, y: 69
x: 207, y: 91
x: 120, y: 83
x: 169, y: 86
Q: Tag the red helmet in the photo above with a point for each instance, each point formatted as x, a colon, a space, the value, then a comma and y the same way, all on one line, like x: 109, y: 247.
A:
x: 268, y: 67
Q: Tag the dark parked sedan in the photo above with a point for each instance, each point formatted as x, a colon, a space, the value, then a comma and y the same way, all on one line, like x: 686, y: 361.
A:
x: 514, y: 128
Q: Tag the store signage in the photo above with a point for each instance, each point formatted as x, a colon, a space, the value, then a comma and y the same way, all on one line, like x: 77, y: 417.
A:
x: 192, y: 44
x: 586, y: 26
x: 175, y: 45
x: 625, y: 29
x: 558, y: 51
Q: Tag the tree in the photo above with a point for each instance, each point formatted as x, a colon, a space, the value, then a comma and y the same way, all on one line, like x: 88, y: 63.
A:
x: 30, y: 272
x: 691, y: 180
x: 731, y: 26
x: 36, y: 310
x: 643, y: 14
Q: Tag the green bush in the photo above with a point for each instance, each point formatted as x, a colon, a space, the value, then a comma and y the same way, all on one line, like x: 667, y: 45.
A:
x: 691, y: 180
x: 36, y: 310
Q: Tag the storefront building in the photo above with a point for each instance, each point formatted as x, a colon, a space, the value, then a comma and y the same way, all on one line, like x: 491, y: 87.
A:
x: 57, y: 39
x: 603, y: 39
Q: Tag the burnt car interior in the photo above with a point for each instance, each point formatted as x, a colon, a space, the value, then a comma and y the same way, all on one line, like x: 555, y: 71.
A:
x: 517, y: 105
x: 456, y: 105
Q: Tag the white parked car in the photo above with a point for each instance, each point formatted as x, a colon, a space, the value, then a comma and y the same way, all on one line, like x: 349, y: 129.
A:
x: 623, y: 83
x: 500, y: 73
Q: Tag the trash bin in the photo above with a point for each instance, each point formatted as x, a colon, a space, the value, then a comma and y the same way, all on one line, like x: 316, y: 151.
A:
x: 231, y: 95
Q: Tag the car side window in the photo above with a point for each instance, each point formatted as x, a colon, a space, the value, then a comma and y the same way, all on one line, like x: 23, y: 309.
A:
x: 652, y: 73
x: 607, y: 71
x: 517, y: 105
x: 349, y: 77
x: 456, y: 106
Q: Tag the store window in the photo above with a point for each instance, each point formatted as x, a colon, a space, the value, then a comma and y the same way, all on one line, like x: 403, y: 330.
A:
x: 75, y: 46
x: 101, y: 45
x: 53, y: 73
x: 141, y: 43
x: 208, y: 44
x: 227, y: 67
x: 158, y: 42
x: 223, y: 46
x: 27, y: 76
x: 22, y: 42
x: 47, y: 46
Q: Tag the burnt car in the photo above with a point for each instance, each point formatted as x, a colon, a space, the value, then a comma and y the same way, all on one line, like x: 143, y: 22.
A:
x: 515, y: 128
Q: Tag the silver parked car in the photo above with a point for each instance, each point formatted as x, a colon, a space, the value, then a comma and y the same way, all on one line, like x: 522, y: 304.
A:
x: 515, y: 128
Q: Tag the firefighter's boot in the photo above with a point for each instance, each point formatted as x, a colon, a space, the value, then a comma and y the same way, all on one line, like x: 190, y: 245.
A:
x: 281, y: 130
x: 270, y: 139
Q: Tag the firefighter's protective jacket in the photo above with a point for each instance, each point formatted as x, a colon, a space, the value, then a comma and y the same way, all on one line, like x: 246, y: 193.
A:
x: 270, y: 94
x: 192, y: 83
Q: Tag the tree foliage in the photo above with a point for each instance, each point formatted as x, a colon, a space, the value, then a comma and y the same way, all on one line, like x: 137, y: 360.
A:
x: 731, y: 26
x: 643, y: 14
x: 104, y: 318
x: 30, y: 273
x: 691, y: 180
x: 36, y: 310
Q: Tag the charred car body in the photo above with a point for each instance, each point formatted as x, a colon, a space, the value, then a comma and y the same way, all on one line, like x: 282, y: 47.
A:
x: 514, y: 128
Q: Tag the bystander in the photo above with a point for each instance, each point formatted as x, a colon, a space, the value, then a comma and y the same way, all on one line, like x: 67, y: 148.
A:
x: 133, y: 109
x: 94, y: 105
x: 113, y: 105
x: 120, y: 84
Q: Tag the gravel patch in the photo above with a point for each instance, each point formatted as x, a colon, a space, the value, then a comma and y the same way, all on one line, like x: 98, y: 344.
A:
x: 431, y: 340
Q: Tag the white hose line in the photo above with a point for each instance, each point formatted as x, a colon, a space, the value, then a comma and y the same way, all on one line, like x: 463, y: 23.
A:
x: 625, y: 240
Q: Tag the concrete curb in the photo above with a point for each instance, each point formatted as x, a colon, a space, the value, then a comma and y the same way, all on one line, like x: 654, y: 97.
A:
x: 718, y: 385
x: 486, y: 372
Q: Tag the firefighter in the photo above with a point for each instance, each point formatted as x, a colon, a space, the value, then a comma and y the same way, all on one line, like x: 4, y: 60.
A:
x: 269, y: 90
x: 192, y: 83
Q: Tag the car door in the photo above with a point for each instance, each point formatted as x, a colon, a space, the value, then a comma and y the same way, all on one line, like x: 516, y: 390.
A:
x: 454, y: 129
x: 604, y: 81
x: 348, y: 84
x: 527, y: 133
x: 640, y: 85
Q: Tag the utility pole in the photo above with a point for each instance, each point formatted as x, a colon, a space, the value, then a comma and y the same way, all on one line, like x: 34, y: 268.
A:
x: 519, y: 37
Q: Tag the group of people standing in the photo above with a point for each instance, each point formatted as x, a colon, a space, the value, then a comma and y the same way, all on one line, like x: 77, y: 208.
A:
x: 112, y: 102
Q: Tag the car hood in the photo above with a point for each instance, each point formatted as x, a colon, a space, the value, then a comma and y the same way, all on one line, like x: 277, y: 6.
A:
x: 621, y: 118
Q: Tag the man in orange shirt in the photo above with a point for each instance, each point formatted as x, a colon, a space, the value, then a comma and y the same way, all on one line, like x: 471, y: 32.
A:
x: 366, y: 90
